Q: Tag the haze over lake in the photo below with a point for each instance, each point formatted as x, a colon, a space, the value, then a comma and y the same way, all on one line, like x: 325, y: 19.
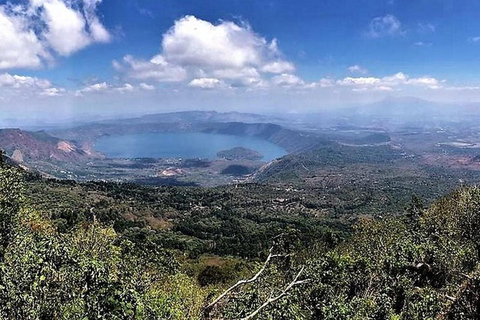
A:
x: 182, y: 145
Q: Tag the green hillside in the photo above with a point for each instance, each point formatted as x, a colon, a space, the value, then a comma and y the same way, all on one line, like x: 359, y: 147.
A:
x: 115, y: 251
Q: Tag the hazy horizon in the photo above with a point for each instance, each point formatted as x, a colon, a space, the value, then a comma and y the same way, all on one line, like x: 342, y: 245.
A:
x: 70, y: 60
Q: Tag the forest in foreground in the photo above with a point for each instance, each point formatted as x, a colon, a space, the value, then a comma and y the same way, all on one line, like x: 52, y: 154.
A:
x: 63, y: 261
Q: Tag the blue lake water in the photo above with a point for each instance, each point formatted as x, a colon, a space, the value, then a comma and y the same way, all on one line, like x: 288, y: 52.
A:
x: 182, y: 145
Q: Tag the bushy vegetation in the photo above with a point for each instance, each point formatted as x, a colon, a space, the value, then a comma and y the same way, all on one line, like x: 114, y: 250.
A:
x: 82, y: 257
x: 233, y: 220
x: 423, y: 265
x: 88, y: 272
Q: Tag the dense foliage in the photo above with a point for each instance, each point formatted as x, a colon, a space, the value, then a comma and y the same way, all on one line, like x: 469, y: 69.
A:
x: 232, y: 220
x: 89, y: 272
x: 89, y: 253
x: 423, y: 265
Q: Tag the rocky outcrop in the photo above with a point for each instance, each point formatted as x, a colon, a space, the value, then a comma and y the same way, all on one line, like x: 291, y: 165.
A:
x: 25, y: 146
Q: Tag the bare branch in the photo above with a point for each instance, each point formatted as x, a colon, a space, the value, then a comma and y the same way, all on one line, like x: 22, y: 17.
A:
x: 242, y: 282
x: 466, y: 276
x: 285, y: 291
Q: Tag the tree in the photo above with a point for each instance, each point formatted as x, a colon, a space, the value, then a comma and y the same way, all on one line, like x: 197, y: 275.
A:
x: 11, y: 195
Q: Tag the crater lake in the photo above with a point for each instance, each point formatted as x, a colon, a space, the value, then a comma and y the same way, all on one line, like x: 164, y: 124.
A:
x: 182, y: 145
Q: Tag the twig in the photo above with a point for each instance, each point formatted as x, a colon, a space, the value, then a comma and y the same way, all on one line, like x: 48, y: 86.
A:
x: 292, y: 284
x: 242, y: 282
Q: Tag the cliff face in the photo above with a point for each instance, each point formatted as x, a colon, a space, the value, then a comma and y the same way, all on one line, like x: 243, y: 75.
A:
x: 24, y: 146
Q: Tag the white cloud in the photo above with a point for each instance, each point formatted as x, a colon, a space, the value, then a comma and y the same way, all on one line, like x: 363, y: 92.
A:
x: 199, y: 43
x: 396, y: 79
x: 326, y: 83
x: 194, y: 49
x: 97, y: 87
x: 395, y: 82
x: 357, y: 69
x: 251, y: 83
x: 391, y: 82
x: 206, y: 83
x: 278, y: 67
x: 244, y: 73
x: 287, y: 80
x: 146, y: 86
x: 97, y: 30
x: 127, y: 87
x: 349, y: 81
x: 31, y: 31
x: 16, y: 81
x: 376, y: 88
x: 423, y: 44
x: 246, y: 77
x: 108, y: 88
x: 19, y: 45
x: 429, y: 82
x: 94, y: 88
x: 52, y: 92
x: 155, y: 69
x: 386, y: 26
x: 27, y: 86
x: 66, y: 31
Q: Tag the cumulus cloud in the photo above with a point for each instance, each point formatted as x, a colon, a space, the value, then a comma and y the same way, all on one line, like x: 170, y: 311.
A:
x: 357, y: 69
x: 94, y: 88
x: 428, y: 82
x: 19, y: 46
x: 361, y: 81
x: 389, y: 83
x: 107, y: 88
x: 197, y: 49
x: 325, y: 83
x: 206, y: 83
x: 284, y: 81
x: 97, y: 30
x: 199, y: 43
x: 31, y: 32
x: 385, y: 26
x: 65, y: 30
x: 16, y: 81
x: 52, y: 92
x: 278, y: 67
x: 357, y: 84
x: 156, y: 68
x: 146, y: 86
x: 287, y: 80
x: 227, y: 45
x: 127, y: 87
x: 28, y: 85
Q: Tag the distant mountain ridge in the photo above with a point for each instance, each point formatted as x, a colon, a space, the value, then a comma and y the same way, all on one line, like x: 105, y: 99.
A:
x: 196, y: 121
x: 390, y: 113
x: 23, y: 146
x: 196, y: 117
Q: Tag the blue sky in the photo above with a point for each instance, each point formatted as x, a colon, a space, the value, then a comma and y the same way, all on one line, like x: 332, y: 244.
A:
x: 71, y: 58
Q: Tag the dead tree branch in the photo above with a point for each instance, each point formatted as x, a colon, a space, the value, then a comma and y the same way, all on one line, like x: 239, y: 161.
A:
x: 285, y: 291
x: 242, y: 282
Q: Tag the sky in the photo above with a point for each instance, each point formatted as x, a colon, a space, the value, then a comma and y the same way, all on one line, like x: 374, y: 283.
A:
x: 76, y: 59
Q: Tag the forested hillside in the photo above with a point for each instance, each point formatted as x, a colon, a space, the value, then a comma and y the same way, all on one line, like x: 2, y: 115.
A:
x: 115, y: 251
